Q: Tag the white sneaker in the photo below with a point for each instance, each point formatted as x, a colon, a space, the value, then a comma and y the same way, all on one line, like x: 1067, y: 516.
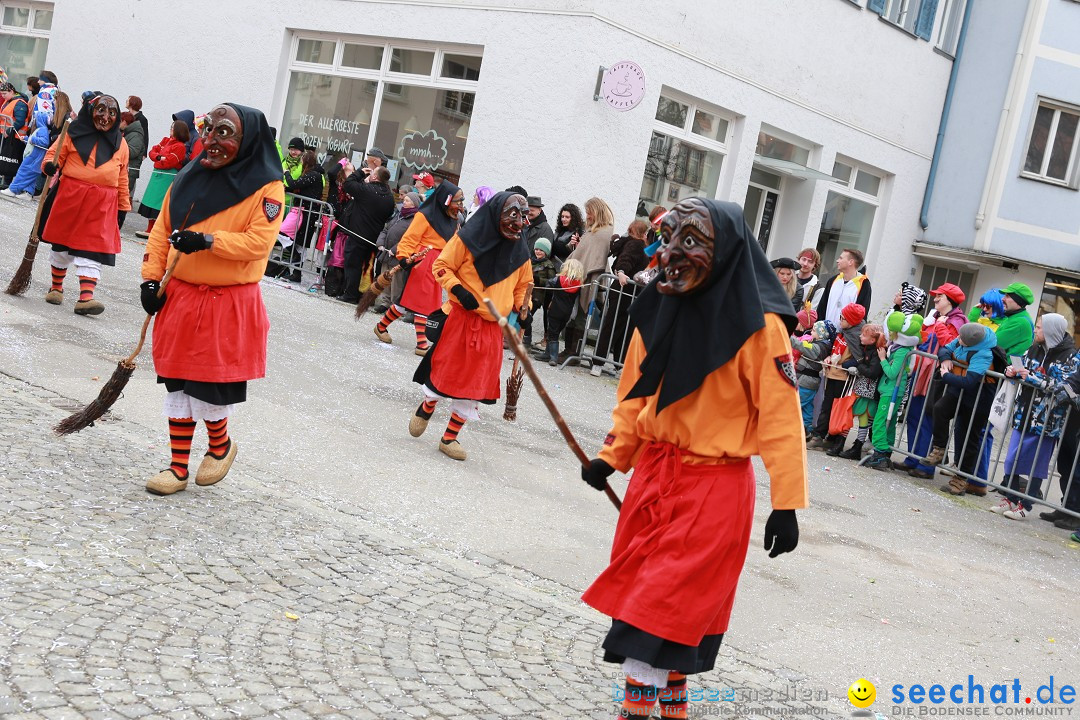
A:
x: 7, y: 193
x: 1002, y: 506
x: 1017, y: 513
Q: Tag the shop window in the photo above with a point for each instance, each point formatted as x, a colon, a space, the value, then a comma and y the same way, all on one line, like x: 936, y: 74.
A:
x: 1061, y: 294
x: 936, y: 275
x: 24, y: 40
x: 685, y: 154
x: 849, y: 211
x: 418, y: 124
x: 1052, y: 144
x: 762, y: 201
x: 460, y: 67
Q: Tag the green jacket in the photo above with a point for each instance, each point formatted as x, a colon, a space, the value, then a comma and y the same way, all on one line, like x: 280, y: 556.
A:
x: 1015, y: 333
x: 894, y: 372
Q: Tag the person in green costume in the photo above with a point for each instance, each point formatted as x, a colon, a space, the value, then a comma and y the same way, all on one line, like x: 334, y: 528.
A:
x: 904, y: 333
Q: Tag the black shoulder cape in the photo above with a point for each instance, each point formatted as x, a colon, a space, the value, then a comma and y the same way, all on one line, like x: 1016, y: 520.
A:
x: 689, y: 336
x: 432, y: 209
x: 495, y: 257
x: 199, y: 193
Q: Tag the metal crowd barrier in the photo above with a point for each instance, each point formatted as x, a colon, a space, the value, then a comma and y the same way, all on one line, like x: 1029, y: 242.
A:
x: 297, y: 257
x: 983, y: 450
x: 607, y: 324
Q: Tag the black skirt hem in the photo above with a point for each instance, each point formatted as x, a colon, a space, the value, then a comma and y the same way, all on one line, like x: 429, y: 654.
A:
x: 229, y: 393
x: 104, y: 258
x: 626, y: 641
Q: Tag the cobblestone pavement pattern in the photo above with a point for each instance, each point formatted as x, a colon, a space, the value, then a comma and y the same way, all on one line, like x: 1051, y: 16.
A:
x: 243, y: 601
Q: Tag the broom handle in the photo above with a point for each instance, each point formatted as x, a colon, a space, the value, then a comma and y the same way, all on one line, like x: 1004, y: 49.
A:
x: 511, y: 338
x: 146, y: 323
x: 45, y: 190
x: 521, y: 330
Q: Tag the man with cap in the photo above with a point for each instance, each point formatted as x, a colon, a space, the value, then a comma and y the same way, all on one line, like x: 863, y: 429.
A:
x: 950, y: 318
x: 1016, y: 332
x: 291, y: 164
x: 375, y: 158
x: 539, y: 227
x: 425, y: 184
x: 962, y: 364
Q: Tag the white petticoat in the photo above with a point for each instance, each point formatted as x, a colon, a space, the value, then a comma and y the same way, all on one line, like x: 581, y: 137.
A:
x: 468, y: 409
x: 181, y: 405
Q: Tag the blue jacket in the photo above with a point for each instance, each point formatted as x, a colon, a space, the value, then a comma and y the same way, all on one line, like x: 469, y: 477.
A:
x: 970, y: 363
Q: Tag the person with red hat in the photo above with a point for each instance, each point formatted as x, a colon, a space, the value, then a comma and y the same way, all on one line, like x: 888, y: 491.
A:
x: 425, y: 184
x: 950, y: 318
x: 847, y: 352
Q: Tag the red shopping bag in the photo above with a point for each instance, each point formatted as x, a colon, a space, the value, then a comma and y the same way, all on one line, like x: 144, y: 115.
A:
x: 841, y: 418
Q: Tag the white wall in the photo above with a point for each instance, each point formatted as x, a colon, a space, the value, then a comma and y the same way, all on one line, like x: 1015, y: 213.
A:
x: 825, y: 70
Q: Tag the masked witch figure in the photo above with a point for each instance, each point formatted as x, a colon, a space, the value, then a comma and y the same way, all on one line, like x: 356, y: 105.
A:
x: 220, y: 217
x: 487, y: 258
x: 432, y: 227
x: 92, y: 190
x: 708, y: 382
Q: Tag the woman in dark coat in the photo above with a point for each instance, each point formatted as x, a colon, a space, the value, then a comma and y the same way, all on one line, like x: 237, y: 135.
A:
x: 629, y: 256
x: 569, y: 227
x: 308, y: 192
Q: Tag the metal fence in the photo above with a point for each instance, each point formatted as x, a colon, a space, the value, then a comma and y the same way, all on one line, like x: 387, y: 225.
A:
x: 304, y: 243
x: 606, y: 333
x: 1007, y: 434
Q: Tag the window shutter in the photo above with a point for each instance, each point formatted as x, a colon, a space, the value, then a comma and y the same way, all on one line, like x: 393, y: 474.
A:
x: 924, y: 26
x: 877, y: 6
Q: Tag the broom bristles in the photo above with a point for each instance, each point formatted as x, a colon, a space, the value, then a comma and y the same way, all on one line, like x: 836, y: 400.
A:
x: 513, y: 392
x: 110, y: 393
x: 373, y: 292
x: 21, y: 282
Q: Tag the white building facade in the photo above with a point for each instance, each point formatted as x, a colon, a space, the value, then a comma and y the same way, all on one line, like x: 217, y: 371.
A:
x: 819, y: 116
x: 1005, y: 204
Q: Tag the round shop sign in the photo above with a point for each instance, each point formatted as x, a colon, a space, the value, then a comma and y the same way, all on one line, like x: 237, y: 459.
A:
x: 623, y: 85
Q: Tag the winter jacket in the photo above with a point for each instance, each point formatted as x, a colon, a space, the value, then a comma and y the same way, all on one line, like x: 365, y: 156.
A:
x: 543, y: 270
x: 969, y: 366
x: 560, y: 246
x: 563, y: 294
x: 894, y: 371
x: 371, y: 207
x: 947, y: 328
x: 850, y: 350
x: 168, y: 154
x: 869, y: 365
x: 136, y: 140
x: 1036, y: 411
x: 16, y: 112
x: 808, y: 369
x: 1015, y: 332
x: 309, y: 185
x: 391, y: 236
x: 629, y: 254
x: 538, y: 228
x: 40, y: 137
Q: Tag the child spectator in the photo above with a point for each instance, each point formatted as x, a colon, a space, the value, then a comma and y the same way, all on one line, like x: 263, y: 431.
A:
x: 564, y: 289
x: 543, y: 270
x: 808, y: 367
x: 904, y: 334
x: 838, y: 367
x: 962, y: 365
x: 868, y: 371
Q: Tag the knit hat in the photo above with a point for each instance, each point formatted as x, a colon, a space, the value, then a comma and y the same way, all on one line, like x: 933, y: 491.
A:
x: 912, y: 298
x: 972, y: 334
x: 807, y: 318
x: 853, y: 313
x: 1020, y: 293
x: 543, y: 244
x: 955, y: 294
x: 830, y: 329
x: 296, y: 144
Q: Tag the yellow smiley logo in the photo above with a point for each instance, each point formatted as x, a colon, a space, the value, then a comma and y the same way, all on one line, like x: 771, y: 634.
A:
x: 862, y: 693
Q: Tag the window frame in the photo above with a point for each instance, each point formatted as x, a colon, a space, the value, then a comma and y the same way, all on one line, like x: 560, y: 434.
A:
x: 947, y: 25
x: 848, y: 188
x: 1072, y: 170
x: 29, y: 30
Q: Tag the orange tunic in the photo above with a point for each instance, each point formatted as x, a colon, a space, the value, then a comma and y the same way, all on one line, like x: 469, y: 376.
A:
x: 455, y: 267
x: 746, y: 407
x: 244, y: 235
x: 113, y: 174
x: 419, y: 234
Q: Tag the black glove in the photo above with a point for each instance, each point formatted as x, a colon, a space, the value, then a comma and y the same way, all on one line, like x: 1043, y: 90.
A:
x: 466, y: 298
x: 49, y: 168
x: 404, y: 263
x: 189, y: 241
x: 596, y: 474
x: 781, y: 532
x: 148, y: 296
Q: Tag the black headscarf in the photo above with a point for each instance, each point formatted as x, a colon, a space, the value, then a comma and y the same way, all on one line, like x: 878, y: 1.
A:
x: 433, y: 208
x: 204, y: 192
x: 495, y: 257
x: 86, y: 136
x: 689, y: 336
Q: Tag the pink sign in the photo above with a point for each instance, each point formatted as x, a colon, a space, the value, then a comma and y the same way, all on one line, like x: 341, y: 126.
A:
x: 623, y: 85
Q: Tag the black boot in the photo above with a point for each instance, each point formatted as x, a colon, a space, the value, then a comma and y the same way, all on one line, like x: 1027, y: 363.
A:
x: 854, y: 452
x: 836, y: 447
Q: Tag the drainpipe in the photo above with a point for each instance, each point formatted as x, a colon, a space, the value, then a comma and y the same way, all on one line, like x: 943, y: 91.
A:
x: 924, y: 216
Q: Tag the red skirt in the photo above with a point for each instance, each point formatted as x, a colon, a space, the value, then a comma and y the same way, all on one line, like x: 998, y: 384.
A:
x: 83, y: 217
x: 422, y: 294
x: 679, y: 546
x: 466, y: 361
x: 211, y: 334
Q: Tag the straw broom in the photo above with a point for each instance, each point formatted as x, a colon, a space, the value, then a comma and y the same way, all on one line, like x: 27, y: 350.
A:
x: 527, y: 365
x: 517, y: 375
x: 20, y: 283
x: 379, y: 284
